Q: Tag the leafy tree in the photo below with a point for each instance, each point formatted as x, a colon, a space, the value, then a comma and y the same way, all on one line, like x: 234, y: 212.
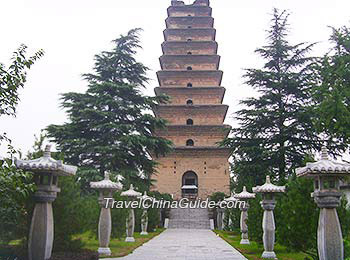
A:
x: 276, y: 130
x: 332, y: 90
x: 13, y: 78
x: 109, y: 128
x: 297, y: 217
x: 15, y: 185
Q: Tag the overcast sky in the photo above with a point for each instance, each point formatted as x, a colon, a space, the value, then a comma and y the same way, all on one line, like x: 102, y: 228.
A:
x: 72, y: 31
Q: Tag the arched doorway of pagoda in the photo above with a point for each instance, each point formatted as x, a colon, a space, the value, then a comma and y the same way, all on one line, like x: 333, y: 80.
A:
x: 189, y: 185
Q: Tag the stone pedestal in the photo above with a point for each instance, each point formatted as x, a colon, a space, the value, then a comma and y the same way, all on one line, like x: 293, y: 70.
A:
x: 268, y: 226
x: 244, y: 226
x: 329, y: 234
x: 42, y: 226
x: 144, y: 222
x: 219, y: 218
x: 130, y: 225
x: 104, y: 231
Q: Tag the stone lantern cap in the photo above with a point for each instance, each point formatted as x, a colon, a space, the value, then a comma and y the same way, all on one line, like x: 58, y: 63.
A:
x: 106, y: 184
x: 232, y: 198
x: 245, y: 194
x: 145, y: 196
x: 131, y: 192
x: 268, y: 187
x: 324, y: 166
x: 46, y: 164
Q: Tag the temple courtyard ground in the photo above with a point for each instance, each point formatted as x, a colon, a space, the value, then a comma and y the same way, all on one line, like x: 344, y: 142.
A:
x: 184, y: 244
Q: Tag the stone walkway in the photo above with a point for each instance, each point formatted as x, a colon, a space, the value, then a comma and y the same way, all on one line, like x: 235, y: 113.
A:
x: 185, y: 244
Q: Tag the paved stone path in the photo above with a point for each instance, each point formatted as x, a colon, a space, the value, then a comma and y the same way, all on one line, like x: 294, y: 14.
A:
x: 185, y: 244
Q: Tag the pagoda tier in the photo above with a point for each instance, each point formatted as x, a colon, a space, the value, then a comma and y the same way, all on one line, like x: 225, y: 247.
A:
x: 189, y: 22
x: 198, y: 95
x: 195, y: 11
x: 209, y: 135
x: 195, y: 48
x: 200, y: 114
x: 195, y: 62
x: 189, y: 35
x: 190, y: 78
x: 195, y: 115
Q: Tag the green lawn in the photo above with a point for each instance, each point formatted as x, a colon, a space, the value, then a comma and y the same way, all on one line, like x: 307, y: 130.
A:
x: 118, y: 247
x: 254, y: 250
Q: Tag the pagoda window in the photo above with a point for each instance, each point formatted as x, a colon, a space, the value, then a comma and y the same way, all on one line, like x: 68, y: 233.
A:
x: 189, y: 15
x: 189, y: 68
x: 189, y: 102
x: 189, y: 53
x: 189, y: 40
x: 189, y: 142
x: 189, y: 85
x: 189, y: 121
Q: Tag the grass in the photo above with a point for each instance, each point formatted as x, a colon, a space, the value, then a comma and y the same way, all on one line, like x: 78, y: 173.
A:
x: 118, y: 247
x: 254, y: 250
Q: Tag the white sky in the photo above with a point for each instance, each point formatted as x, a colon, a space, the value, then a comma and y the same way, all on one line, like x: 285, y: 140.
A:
x: 72, y: 31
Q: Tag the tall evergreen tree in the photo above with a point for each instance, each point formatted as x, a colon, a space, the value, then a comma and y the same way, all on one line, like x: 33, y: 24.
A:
x: 109, y: 128
x: 276, y: 130
x: 332, y: 91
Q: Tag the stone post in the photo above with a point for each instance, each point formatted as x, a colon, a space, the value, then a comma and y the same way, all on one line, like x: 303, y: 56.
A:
x: 41, y: 229
x: 268, y: 203
x: 244, y: 196
x: 243, y: 224
x: 106, y: 189
x: 219, y: 218
x: 130, y: 220
x: 130, y: 226
x: 327, y: 174
x: 104, y: 231
x: 329, y: 234
x: 46, y: 171
x: 269, y: 228
x: 144, y: 222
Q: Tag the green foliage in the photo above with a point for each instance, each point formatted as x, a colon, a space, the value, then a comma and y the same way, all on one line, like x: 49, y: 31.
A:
x: 15, y: 187
x: 217, y: 196
x: 74, y: 213
x: 255, y: 216
x: 332, y: 90
x: 275, y: 131
x: 13, y: 78
x: 297, y: 217
x: 109, y: 128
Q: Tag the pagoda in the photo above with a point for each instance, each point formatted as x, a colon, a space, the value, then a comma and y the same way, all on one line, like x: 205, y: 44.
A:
x: 195, y: 115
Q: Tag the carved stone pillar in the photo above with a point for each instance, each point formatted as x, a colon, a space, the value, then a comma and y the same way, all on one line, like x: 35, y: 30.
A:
x: 46, y: 171
x: 144, y: 222
x: 269, y: 228
x: 244, y: 226
x: 130, y: 225
x: 42, y: 226
x: 329, y: 234
x: 106, y: 189
x: 268, y: 203
x: 327, y: 174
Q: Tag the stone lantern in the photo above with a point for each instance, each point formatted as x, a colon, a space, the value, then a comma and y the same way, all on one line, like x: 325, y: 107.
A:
x: 144, y: 218
x: 46, y: 171
x: 268, y: 203
x: 244, y: 196
x: 106, y: 188
x: 327, y: 174
x: 130, y: 221
x: 221, y: 207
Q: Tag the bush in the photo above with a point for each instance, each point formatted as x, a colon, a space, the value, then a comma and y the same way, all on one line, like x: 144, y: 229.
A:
x: 74, y: 213
x: 16, y: 187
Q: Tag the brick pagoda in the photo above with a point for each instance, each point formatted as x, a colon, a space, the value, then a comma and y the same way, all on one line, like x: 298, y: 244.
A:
x: 190, y: 76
